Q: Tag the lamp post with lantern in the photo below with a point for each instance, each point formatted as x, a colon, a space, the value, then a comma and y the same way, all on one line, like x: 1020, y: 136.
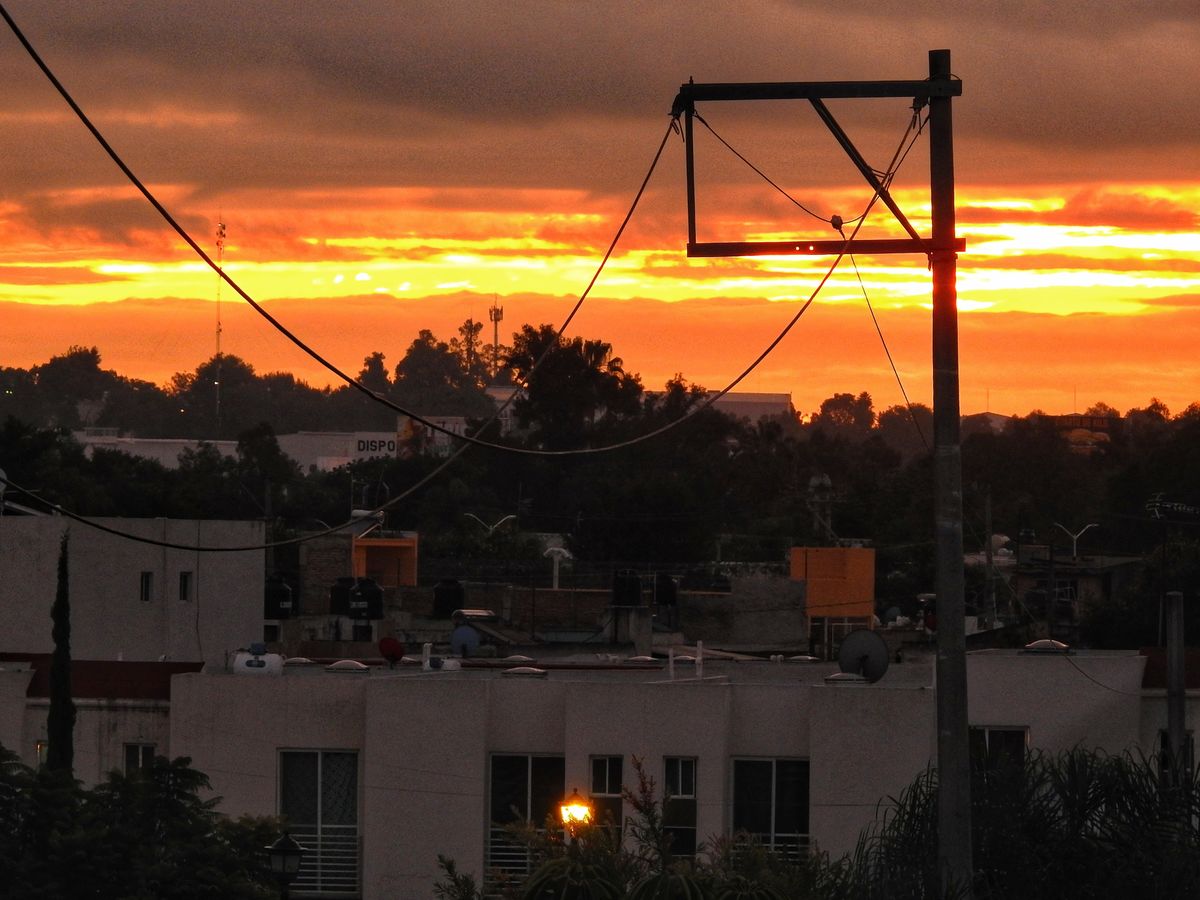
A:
x: 284, y: 856
x: 575, y: 813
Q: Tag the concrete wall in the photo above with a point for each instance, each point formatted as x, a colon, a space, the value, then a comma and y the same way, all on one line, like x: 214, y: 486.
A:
x: 102, y: 729
x: 14, y: 682
x: 868, y: 743
x: 1089, y: 699
x: 425, y: 739
x: 233, y: 726
x: 108, y: 618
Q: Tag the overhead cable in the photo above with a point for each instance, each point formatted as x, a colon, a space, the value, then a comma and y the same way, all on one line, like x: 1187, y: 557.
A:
x: 279, y: 326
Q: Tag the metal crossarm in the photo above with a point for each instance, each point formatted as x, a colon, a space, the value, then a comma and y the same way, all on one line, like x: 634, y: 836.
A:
x: 808, y: 90
x: 801, y: 247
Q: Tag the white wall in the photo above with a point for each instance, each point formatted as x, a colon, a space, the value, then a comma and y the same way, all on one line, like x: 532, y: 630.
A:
x: 102, y: 729
x: 108, y: 618
x: 425, y: 738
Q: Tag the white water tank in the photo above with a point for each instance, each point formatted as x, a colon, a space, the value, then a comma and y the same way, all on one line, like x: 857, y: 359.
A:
x: 246, y: 663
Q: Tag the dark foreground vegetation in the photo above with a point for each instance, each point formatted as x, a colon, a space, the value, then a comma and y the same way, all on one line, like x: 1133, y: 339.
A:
x: 1078, y: 825
x: 146, y: 835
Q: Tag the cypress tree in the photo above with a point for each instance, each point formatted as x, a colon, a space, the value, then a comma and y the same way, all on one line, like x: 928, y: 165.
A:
x: 60, y: 726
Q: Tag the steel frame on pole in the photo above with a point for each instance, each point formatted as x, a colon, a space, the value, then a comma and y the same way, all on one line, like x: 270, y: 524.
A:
x: 942, y: 248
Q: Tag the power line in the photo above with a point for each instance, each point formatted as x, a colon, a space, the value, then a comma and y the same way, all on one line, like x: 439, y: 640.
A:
x: 466, y: 439
x: 871, y: 309
x: 297, y: 341
x: 279, y: 326
x: 709, y: 401
x: 763, y: 175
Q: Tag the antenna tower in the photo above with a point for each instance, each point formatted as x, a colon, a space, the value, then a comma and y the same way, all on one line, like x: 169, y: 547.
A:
x: 495, y: 314
x: 220, y: 265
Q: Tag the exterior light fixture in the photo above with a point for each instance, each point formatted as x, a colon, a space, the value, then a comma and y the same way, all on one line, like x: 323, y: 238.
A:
x: 284, y: 856
x: 575, y: 811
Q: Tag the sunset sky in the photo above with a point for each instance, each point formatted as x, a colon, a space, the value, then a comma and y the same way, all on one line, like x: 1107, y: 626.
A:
x: 388, y: 166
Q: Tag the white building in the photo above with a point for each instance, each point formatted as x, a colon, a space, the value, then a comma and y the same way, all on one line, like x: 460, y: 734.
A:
x: 133, y: 600
x: 379, y: 771
x: 122, y: 711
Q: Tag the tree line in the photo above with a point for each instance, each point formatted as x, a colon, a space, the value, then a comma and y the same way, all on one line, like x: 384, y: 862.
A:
x: 714, y: 488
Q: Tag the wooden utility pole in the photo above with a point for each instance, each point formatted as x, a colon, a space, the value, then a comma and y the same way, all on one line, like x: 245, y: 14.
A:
x: 954, y: 796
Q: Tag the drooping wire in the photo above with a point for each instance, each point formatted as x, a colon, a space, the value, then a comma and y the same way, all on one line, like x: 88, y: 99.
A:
x: 437, y: 471
x: 284, y: 330
x: 828, y: 220
x: 916, y: 126
x: 896, y: 372
x: 464, y: 438
x: 467, y: 441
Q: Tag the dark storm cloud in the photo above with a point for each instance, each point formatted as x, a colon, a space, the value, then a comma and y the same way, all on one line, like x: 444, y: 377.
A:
x: 387, y: 92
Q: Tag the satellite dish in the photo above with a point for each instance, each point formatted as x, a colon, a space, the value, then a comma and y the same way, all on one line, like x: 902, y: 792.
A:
x: 1046, y: 645
x: 391, y: 650
x: 864, y: 653
x: 464, y: 641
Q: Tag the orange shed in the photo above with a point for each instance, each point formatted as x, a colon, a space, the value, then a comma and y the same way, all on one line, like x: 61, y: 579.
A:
x: 839, y: 581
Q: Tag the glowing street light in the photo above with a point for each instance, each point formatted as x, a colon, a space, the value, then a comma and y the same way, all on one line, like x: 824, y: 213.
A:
x: 575, y: 811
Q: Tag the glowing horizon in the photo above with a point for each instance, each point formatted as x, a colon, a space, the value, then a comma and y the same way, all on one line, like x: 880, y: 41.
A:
x: 384, y: 185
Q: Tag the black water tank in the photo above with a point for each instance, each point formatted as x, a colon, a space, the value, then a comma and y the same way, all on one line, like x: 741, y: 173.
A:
x: 448, y: 595
x: 366, y: 599
x: 339, y: 597
x: 627, y: 588
x: 277, y: 599
x: 666, y: 590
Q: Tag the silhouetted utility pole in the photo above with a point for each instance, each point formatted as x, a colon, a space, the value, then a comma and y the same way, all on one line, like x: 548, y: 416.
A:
x: 496, y: 315
x: 1176, y: 693
x: 954, y: 765
x: 954, y: 795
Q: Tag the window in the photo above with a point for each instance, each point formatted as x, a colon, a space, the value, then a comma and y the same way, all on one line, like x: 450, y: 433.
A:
x: 522, y: 787
x: 147, y: 587
x: 770, y: 802
x: 679, y: 815
x: 606, y: 791
x: 185, y: 587
x: 318, y: 796
x: 993, y: 749
x: 138, y: 756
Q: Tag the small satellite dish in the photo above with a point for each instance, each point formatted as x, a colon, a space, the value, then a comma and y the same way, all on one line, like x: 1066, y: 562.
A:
x: 1046, y: 645
x: 391, y: 650
x: 347, y: 665
x: 524, y: 672
x: 864, y: 653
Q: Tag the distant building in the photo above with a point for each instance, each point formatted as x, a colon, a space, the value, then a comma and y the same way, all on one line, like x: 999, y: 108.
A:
x: 1071, y: 583
x: 839, y: 592
x: 754, y: 406
x: 381, y: 770
x: 1085, y: 434
x: 131, y: 600
x: 162, y: 450
x: 122, y: 711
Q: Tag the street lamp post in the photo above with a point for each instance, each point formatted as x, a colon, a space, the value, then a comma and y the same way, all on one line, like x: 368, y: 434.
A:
x: 1076, y: 536
x: 575, y: 813
x: 284, y: 856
